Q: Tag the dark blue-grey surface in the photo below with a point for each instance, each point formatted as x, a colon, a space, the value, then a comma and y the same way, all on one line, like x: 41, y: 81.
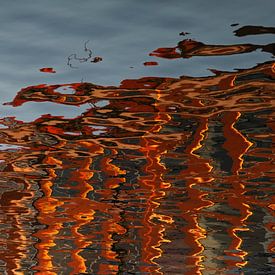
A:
x: 36, y: 34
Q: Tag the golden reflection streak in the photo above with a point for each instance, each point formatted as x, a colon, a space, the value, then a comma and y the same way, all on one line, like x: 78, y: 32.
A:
x: 154, y: 234
x: 83, y: 216
x: 200, y: 138
x: 239, y: 225
x: 46, y: 236
x: 191, y: 209
x: 46, y: 207
x: 236, y: 145
x: 153, y: 150
x: 111, y: 226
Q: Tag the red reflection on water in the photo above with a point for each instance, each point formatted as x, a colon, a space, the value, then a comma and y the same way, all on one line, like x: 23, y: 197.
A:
x: 236, y: 144
x: 198, y: 172
x: 188, y: 48
x: 154, y: 147
x: 150, y: 63
x: 47, y: 70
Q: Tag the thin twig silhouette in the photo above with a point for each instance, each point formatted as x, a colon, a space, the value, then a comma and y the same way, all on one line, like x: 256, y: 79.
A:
x: 83, y: 59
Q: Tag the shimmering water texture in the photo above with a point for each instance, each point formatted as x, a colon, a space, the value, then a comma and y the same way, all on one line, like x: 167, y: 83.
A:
x: 158, y: 176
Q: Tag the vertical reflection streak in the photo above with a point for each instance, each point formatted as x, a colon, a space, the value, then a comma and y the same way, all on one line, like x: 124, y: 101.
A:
x: 153, y: 147
x: 83, y: 215
x: 270, y: 227
x: 236, y: 145
x: 111, y: 226
x: 46, y: 207
x: 196, y: 173
x: 23, y: 238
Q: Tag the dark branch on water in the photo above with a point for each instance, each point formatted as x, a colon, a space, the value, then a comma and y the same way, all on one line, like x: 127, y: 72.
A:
x: 89, y: 57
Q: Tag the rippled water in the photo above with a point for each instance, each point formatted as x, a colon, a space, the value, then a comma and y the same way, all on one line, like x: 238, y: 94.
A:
x: 156, y: 175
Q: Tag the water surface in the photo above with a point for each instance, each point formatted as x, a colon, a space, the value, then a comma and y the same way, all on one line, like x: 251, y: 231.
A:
x: 113, y: 167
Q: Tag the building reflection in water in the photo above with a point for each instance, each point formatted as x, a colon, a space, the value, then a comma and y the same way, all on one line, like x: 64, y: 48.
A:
x: 158, y: 176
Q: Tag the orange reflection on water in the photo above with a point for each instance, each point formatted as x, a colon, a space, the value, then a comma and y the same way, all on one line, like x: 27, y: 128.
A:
x: 188, y: 48
x: 153, y: 234
x: 236, y: 144
x: 191, y: 209
x: 47, y: 207
x: 17, y: 247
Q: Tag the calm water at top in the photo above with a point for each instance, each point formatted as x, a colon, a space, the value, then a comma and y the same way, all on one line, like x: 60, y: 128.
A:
x: 136, y: 137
